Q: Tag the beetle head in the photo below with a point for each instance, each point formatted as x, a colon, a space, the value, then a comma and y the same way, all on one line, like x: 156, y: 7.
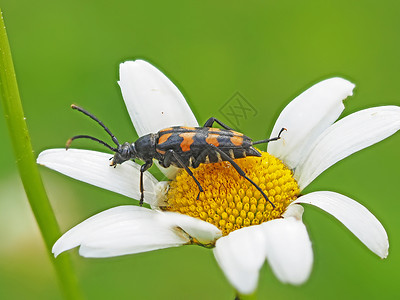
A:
x: 124, y: 152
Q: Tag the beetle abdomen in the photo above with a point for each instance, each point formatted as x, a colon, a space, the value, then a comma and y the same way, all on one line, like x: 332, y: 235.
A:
x: 192, y: 144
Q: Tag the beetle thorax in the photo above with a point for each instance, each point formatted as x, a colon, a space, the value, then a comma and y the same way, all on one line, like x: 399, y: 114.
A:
x: 145, y: 147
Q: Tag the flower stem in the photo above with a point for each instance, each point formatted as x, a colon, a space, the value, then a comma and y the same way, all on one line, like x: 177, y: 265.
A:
x: 27, y: 166
x: 245, y: 297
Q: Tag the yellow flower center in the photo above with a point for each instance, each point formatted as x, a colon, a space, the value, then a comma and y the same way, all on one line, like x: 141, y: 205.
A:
x: 229, y: 201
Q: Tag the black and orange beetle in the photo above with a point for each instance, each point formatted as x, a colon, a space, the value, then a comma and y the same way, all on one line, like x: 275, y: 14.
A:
x: 183, y: 147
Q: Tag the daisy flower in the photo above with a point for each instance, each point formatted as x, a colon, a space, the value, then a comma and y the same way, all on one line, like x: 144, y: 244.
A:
x: 231, y: 216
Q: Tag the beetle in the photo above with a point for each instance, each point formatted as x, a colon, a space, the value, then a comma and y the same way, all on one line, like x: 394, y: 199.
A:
x: 183, y: 147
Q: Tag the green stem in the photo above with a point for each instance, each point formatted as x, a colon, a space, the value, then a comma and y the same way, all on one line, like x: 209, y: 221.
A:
x: 246, y: 297
x: 28, y: 169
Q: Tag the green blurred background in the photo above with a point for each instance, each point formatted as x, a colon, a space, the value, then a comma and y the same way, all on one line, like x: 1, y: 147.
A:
x: 269, y: 51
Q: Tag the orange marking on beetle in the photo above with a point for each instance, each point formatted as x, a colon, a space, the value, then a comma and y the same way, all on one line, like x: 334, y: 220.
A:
x: 163, y: 138
x: 237, y: 140
x: 160, y: 151
x: 188, y: 128
x: 237, y: 133
x: 187, y: 140
x: 166, y: 129
x: 212, y: 139
x: 213, y: 129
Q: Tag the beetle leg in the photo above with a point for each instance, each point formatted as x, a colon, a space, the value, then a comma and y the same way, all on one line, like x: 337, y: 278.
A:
x: 143, y: 168
x: 271, y: 139
x: 240, y: 171
x: 167, y: 162
x: 201, y: 158
x: 210, y: 122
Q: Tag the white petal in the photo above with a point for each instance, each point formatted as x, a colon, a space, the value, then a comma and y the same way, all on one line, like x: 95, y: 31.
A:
x: 152, y: 100
x: 306, y: 117
x: 354, y: 216
x: 241, y: 255
x: 121, y: 230
x: 288, y: 248
x: 204, y: 232
x: 294, y: 211
x: 351, y: 134
x: 169, y: 172
x: 161, y: 189
x: 94, y: 168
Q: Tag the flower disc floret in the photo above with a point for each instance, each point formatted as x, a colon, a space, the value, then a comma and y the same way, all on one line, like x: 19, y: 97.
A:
x: 229, y: 201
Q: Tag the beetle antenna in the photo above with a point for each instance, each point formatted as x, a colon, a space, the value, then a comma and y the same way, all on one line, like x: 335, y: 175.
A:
x: 93, y: 117
x: 271, y: 139
x: 91, y: 138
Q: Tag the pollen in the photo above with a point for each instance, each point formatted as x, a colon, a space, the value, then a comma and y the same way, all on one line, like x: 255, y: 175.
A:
x: 229, y: 201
